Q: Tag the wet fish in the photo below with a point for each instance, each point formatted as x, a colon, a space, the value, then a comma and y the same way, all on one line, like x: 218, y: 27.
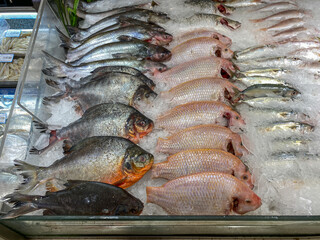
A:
x: 199, y: 113
x: 203, y: 89
x: 264, y: 102
x: 294, y: 34
x: 277, y: 6
x: 112, y: 87
x: 201, y: 33
x: 209, y: 5
x: 224, y: 22
x: 61, y: 82
x: 200, y: 68
x: 249, y: 81
x: 203, y: 136
x: 128, y: 47
x: 290, y: 145
x: 280, y: 16
x: 127, y: 21
x: 90, y: 19
x: 264, y: 72
x: 199, y: 48
x: 202, y: 160
x: 204, y: 194
x: 285, y: 25
x: 140, y: 14
x: 107, y: 119
x: 308, y: 54
x: 61, y: 69
x: 240, y: 3
x: 266, y: 90
x: 288, y: 127
x: 281, y: 62
x: 139, y: 32
x: 111, y: 160
x: 273, y: 50
x: 79, y: 198
x: 9, y: 181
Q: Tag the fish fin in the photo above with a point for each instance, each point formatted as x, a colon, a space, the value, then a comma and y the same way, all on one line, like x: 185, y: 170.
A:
x: 23, y: 204
x: 151, y: 194
x: 52, y: 141
x: 154, y: 3
x: 81, y: 14
x: 67, y: 146
x: 41, y: 126
x: 72, y: 30
x: 53, y: 99
x: 29, y: 173
x: 122, y: 55
x: 52, y: 83
x: 66, y: 42
x: 59, y: 69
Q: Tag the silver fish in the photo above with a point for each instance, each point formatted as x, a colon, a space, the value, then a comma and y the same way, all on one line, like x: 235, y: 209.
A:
x: 249, y: 81
x: 264, y: 102
x: 290, y: 145
x: 209, y: 5
x: 281, y: 62
x: 285, y: 25
x: 240, y: 3
x: 308, y: 54
x: 278, y: 6
x: 107, y: 119
x: 112, y: 87
x: 282, y: 16
x: 264, y: 72
x: 288, y: 127
x: 62, y: 69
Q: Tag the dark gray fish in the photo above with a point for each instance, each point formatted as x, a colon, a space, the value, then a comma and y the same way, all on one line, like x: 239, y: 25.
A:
x: 107, y: 119
x: 111, y: 87
x: 140, y: 14
x: 60, y: 83
x: 79, y: 198
x: 61, y: 69
x: 127, y: 47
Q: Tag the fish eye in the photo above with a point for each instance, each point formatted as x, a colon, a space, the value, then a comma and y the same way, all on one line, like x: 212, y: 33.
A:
x: 237, y: 117
x: 248, y: 201
x: 139, y: 98
x: 226, y: 50
x: 245, y: 177
x: 147, y: 95
x: 142, y: 159
x: 142, y: 123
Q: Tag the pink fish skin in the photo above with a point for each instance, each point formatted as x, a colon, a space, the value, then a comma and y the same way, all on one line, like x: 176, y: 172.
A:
x: 203, y: 136
x: 199, y: 113
x: 199, y: 68
x: 197, y: 48
x: 203, y: 89
x: 201, y: 32
x: 204, y: 194
x: 202, y: 160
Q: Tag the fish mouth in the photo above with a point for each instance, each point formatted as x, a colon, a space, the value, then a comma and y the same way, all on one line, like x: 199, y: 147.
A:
x: 232, y: 26
x: 147, y: 131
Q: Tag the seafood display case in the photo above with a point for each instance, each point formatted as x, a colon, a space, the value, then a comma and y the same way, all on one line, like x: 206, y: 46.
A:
x: 19, y: 135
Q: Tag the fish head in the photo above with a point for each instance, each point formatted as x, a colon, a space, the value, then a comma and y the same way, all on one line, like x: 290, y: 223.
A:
x: 139, y: 125
x: 243, y: 174
x: 137, y: 161
x: 231, y: 24
x: 154, y: 67
x: 226, y: 53
x: 234, y: 119
x: 291, y: 92
x: 246, y: 201
x: 225, y: 10
x: 227, y: 68
x: 158, y: 53
x: 130, y: 206
x: 143, y: 97
x: 159, y: 38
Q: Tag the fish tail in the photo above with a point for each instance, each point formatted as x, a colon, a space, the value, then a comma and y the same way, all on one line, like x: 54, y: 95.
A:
x: 23, y: 204
x: 47, y: 101
x: 77, y: 34
x: 81, y: 14
x: 53, y: 139
x: 30, y: 175
x: 41, y: 126
x: 151, y: 194
x: 72, y: 30
x: 52, y: 83
x: 66, y: 42
x: 59, y: 70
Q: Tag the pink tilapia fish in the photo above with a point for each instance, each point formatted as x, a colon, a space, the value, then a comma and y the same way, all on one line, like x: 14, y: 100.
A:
x: 280, y: 16
x: 285, y: 25
x: 198, y: 48
x: 199, y: 68
x: 203, y: 136
x: 199, y: 113
x: 204, y: 194
x: 202, y: 160
x: 277, y: 6
x: 203, y: 89
x: 202, y: 32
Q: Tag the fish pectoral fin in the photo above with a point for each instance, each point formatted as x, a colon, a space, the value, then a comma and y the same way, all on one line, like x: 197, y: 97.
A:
x: 122, y: 55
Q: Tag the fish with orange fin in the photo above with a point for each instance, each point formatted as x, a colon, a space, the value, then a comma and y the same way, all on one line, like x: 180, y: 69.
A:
x: 107, y: 119
x: 203, y: 136
x: 204, y: 194
x: 111, y: 160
